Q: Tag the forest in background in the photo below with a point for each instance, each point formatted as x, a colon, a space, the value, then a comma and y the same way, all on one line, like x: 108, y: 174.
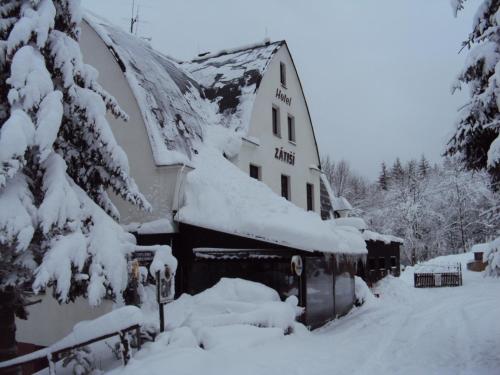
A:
x: 437, y: 209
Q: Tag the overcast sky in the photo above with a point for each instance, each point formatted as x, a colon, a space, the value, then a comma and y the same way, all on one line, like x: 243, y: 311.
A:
x: 376, y: 73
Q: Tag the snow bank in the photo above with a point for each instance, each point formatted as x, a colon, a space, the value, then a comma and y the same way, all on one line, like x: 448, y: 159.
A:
x: 492, y: 256
x: 219, y: 196
x: 163, y: 225
x: 362, y: 291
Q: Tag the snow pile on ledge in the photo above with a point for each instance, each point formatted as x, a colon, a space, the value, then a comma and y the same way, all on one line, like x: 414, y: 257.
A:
x: 355, y: 222
x: 386, y: 238
x: 163, y: 225
x: 219, y: 196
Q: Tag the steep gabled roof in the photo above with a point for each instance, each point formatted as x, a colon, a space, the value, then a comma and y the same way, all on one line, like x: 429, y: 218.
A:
x: 231, y: 78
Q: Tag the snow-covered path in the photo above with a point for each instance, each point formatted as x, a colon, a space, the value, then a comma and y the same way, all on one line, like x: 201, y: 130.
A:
x: 406, y: 331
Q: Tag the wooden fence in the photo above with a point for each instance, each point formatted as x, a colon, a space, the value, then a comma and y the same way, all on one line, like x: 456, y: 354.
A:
x: 450, y: 275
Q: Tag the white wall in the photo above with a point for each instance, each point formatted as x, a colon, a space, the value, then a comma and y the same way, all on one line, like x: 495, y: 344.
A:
x: 261, y: 128
x: 48, y: 321
x: 156, y: 183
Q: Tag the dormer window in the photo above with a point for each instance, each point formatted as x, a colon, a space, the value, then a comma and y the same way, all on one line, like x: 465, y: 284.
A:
x: 283, y: 74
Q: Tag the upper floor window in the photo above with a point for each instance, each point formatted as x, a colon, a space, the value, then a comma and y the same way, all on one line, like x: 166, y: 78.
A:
x: 283, y: 73
x: 276, y: 121
x: 291, y: 128
x: 285, y: 186
x: 255, y: 172
x: 381, y: 263
x: 310, y: 197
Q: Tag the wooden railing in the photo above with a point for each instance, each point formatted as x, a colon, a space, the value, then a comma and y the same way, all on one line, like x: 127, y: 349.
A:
x: 56, y: 355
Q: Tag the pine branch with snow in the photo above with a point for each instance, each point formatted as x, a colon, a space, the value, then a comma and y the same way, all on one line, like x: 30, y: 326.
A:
x: 58, y: 160
x: 477, y: 136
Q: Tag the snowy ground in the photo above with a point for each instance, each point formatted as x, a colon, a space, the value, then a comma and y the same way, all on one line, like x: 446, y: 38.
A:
x: 405, y: 331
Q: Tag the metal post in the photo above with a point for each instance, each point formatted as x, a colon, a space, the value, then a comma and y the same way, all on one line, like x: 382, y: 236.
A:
x: 162, y: 317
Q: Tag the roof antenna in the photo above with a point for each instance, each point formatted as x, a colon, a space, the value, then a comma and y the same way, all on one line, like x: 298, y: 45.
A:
x: 134, y: 18
x: 266, y: 36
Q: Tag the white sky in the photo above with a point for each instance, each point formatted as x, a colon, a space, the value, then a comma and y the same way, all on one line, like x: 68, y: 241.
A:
x: 376, y: 73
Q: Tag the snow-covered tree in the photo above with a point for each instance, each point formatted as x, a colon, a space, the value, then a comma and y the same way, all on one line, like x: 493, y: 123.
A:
x: 58, y: 159
x: 477, y: 136
x: 383, y: 178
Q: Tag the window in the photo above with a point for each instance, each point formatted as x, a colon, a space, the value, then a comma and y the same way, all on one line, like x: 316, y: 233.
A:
x: 310, y: 197
x: 381, y: 263
x: 255, y: 172
x: 285, y: 186
x: 283, y: 74
x: 291, y: 128
x: 393, y: 262
x: 276, y: 121
x: 371, y: 264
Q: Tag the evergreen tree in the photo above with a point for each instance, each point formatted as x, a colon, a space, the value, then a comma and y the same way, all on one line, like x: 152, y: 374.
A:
x: 477, y: 137
x: 397, y: 171
x: 383, y: 179
x: 58, y: 158
x: 423, y: 167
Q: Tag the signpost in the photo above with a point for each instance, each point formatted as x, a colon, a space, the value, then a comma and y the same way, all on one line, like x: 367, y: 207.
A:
x: 163, y: 293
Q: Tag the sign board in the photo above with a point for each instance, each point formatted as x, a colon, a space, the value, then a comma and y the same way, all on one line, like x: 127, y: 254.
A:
x: 164, y: 286
x: 144, y: 257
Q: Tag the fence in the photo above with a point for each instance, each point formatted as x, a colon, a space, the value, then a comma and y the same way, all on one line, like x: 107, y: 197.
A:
x: 438, y: 276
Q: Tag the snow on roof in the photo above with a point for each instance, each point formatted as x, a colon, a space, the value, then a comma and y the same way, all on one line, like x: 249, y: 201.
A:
x: 341, y: 204
x: 368, y: 235
x: 230, y: 79
x: 480, y: 247
x: 219, y: 196
x: 171, y: 101
x: 355, y: 222
x: 179, y: 100
x: 163, y: 225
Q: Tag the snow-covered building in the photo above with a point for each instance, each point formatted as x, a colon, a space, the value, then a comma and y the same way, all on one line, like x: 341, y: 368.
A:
x: 223, y: 148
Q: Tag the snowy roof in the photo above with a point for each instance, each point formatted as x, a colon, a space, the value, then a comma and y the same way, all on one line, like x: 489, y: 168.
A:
x: 219, y: 196
x: 480, y: 247
x: 230, y: 79
x: 171, y: 101
x: 355, y: 222
x: 368, y: 235
x: 179, y: 100
x: 341, y: 204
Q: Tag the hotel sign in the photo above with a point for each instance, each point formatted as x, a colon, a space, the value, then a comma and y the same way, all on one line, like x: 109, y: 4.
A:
x: 283, y: 97
x: 284, y: 156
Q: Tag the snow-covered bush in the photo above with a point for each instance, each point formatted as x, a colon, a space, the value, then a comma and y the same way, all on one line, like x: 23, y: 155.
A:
x: 58, y: 159
x: 492, y: 256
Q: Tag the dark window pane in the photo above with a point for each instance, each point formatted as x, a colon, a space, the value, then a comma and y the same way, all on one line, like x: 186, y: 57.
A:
x: 344, y: 288
x: 291, y: 129
x: 381, y: 263
x: 275, y: 121
x: 285, y: 186
x: 371, y: 263
x: 310, y: 197
x: 393, y: 261
x: 254, y: 172
x: 283, y: 74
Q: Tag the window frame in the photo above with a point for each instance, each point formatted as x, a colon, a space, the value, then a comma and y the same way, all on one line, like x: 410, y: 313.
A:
x: 283, y: 74
x: 259, y: 171
x: 310, y: 196
x: 276, y: 125
x: 288, y: 187
x: 290, y: 123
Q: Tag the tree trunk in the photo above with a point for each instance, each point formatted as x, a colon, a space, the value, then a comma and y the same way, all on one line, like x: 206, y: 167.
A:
x: 8, y: 347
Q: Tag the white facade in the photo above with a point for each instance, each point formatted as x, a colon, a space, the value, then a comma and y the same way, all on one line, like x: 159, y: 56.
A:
x: 305, y: 169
